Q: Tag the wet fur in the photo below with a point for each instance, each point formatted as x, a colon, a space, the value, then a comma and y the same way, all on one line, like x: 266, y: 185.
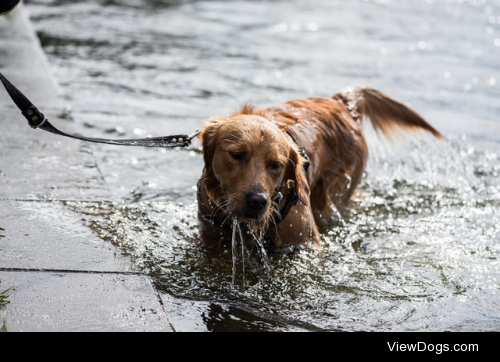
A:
x: 329, y: 129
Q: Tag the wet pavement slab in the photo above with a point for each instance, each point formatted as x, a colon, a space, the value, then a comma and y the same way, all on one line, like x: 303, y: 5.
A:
x: 76, y: 302
x: 31, y: 174
x: 50, y: 235
x: 62, y: 275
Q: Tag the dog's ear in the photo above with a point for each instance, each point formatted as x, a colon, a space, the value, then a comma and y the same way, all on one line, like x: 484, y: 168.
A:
x: 297, y: 174
x: 208, y: 137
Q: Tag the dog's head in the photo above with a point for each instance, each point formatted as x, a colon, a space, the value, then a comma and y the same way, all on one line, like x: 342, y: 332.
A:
x: 248, y: 160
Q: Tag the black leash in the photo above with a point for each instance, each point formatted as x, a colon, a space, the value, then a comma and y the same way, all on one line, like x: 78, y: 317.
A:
x: 8, y: 5
x: 37, y: 119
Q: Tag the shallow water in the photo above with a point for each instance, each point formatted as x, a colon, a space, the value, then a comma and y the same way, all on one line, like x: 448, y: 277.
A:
x: 421, y: 250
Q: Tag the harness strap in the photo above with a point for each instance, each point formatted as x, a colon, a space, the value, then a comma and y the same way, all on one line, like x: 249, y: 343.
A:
x: 301, y: 150
x: 37, y: 119
x: 217, y: 220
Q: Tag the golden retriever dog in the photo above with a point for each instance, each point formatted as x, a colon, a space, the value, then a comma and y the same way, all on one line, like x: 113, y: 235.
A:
x: 280, y: 172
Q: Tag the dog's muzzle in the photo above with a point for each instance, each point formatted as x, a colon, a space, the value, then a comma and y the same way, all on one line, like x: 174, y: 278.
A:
x: 255, y: 205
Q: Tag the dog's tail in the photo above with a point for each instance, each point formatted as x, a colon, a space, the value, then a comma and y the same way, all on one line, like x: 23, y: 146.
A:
x: 386, y: 114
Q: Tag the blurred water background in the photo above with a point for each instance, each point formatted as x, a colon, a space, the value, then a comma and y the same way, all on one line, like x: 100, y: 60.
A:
x: 421, y: 251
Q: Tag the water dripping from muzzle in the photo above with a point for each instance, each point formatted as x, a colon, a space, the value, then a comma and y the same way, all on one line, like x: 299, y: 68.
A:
x: 242, y: 255
x: 234, y: 251
x: 261, y: 249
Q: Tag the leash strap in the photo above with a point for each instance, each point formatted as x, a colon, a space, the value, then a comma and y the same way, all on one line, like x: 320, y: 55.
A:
x: 8, y: 5
x: 37, y: 119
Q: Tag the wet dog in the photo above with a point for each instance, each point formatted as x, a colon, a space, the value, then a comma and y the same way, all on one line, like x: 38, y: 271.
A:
x: 279, y: 172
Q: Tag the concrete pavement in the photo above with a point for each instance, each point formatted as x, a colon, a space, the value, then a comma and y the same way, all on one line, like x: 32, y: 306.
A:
x: 64, y: 276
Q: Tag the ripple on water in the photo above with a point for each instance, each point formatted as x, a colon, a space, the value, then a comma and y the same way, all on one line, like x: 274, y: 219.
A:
x: 390, y: 267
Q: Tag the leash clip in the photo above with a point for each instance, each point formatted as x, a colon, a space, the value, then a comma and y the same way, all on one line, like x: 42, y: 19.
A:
x: 35, y: 118
x: 278, y: 198
x: 194, y: 135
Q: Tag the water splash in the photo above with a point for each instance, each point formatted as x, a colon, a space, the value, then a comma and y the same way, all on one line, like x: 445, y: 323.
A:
x: 261, y: 249
x: 408, y: 249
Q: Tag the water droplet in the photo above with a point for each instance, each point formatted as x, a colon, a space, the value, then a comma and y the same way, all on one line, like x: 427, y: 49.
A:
x: 280, y: 27
x: 312, y: 26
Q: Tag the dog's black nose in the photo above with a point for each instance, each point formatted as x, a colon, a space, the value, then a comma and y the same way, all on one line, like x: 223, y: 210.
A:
x: 256, y: 201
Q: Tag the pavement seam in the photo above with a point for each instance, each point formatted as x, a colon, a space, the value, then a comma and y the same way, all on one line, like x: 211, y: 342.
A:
x: 70, y: 271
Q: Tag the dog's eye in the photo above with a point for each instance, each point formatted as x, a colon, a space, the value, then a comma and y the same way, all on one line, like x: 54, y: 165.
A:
x: 236, y: 156
x: 275, y: 166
